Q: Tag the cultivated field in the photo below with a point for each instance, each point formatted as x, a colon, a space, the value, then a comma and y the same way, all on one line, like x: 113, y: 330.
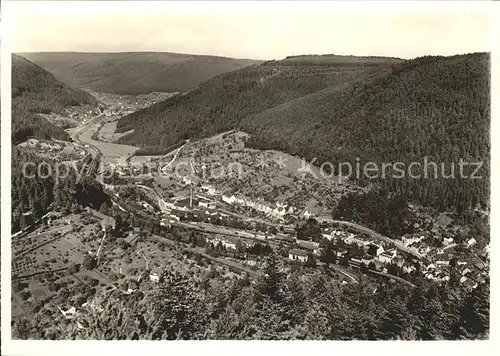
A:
x: 108, y: 134
x: 223, y: 162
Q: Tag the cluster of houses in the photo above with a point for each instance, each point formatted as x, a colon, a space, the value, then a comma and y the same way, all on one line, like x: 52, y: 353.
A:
x: 381, y: 255
x: 209, y: 189
x: 117, y: 112
x: 207, y: 198
x: 42, y: 145
x: 276, y: 210
x: 177, y: 212
x: 471, y: 272
x: 228, y: 242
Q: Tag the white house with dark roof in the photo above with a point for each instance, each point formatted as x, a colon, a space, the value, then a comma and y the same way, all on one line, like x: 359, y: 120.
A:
x: 340, y: 252
x: 442, y: 263
x: 229, y: 242
x: 471, y: 242
x: 387, y: 256
x: 430, y: 276
x: 352, y: 239
x: 487, y: 250
x: 309, y: 245
x: 424, y: 250
x: 307, y: 214
x: 469, y: 283
x: 442, y: 259
x: 155, y: 275
x: 448, y: 241
x: 332, y: 233
x: 407, y: 268
x: 175, y: 217
x: 379, y: 248
x: 356, y: 261
x: 298, y: 255
x: 431, y: 266
x: 131, y: 287
x: 465, y: 271
x: 408, y: 240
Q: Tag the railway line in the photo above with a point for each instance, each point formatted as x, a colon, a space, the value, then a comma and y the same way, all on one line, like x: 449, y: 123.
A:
x: 208, y: 228
x: 228, y: 263
x: 240, y: 234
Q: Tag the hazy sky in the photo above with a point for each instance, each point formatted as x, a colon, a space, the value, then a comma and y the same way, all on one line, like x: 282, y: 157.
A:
x: 260, y: 31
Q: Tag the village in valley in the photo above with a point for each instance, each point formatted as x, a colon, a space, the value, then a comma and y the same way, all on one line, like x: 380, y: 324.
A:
x: 173, y: 212
x: 180, y: 183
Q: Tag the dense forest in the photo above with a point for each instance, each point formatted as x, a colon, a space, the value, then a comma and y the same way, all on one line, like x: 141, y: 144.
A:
x: 340, y: 110
x: 34, y: 192
x: 378, y: 210
x: 434, y: 107
x: 35, y: 91
x: 279, y: 306
x: 134, y: 72
x: 223, y: 102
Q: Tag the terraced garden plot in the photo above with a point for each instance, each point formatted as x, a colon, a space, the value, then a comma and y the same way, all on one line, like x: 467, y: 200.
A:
x: 23, y: 266
x: 38, y: 290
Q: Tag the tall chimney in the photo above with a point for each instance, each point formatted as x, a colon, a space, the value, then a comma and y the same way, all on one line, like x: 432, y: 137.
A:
x: 191, y: 197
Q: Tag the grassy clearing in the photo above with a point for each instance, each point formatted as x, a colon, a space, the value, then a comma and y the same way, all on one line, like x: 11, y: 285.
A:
x: 108, y: 134
x: 111, y: 152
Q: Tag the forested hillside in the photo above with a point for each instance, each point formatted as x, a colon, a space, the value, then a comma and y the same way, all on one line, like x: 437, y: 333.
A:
x: 34, y: 91
x: 223, y: 102
x: 134, y: 73
x: 280, y: 307
x: 337, y: 110
x: 434, y: 107
x: 33, y: 193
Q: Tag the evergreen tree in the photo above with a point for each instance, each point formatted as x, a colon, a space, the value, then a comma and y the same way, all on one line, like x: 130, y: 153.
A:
x: 271, y: 282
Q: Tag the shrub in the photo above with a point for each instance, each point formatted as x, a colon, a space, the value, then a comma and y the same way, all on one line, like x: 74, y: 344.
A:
x: 89, y: 262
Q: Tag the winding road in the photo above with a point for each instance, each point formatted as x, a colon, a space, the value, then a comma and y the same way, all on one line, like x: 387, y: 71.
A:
x: 178, y: 150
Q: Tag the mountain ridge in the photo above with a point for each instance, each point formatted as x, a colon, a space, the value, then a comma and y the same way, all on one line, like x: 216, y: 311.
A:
x: 237, y: 94
x: 134, y: 73
x: 435, y: 106
x: 36, y: 91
